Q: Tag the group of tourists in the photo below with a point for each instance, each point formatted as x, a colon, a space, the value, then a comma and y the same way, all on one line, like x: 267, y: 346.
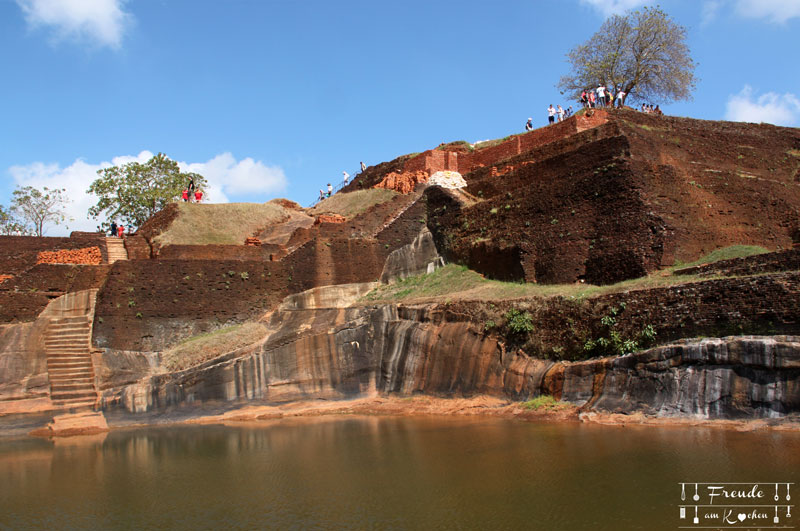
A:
x: 191, y: 194
x: 602, y: 97
x: 649, y: 109
x: 117, y: 230
x: 554, y: 114
x: 345, y: 181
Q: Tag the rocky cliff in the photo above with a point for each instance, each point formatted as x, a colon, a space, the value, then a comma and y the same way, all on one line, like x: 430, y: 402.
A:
x: 353, y: 351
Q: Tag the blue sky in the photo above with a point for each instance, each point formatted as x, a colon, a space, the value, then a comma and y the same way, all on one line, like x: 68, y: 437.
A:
x: 275, y: 98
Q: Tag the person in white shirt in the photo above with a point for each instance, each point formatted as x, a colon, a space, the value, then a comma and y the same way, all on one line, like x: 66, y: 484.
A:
x: 601, y: 95
x: 346, y: 177
x: 560, y: 114
x: 551, y: 112
x: 620, y: 99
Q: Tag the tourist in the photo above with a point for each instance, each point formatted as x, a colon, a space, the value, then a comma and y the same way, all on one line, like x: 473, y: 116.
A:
x: 321, y: 195
x: 601, y: 95
x: 330, y: 190
x: 584, y: 99
x: 609, y: 96
x: 185, y: 195
x: 560, y: 113
x: 620, y: 99
x: 591, y: 99
x: 363, y: 166
x: 113, y: 228
x: 569, y: 111
x: 120, y: 231
x: 551, y: 114
x: 198, y: 195
x: 346, y: 177
x: 529, y: 124
x: 657, y: 111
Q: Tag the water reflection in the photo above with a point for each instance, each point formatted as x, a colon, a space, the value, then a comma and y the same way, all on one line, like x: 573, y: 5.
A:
x: 378, y: 472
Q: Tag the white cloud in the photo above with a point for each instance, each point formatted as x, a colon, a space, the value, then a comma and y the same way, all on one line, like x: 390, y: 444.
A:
x: 773, y: 108
x: 710, y: 10
x: 100, y: 21
x: 226, y: 177
x: 614, y: 7
x: 778, y: 11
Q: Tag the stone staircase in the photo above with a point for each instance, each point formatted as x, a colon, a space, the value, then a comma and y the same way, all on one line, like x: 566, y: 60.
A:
x: 67, y: 345
x: 116, y: 250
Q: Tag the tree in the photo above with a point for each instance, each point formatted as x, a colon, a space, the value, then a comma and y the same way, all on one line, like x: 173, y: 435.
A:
x: 35, y: 208
x: 642, y: 52
x: 9, y: 224
x: 133, y: 192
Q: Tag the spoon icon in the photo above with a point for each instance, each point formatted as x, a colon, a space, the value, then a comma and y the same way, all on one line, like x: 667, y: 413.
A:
x: 776, y: 492
x: 787, y: 493
x: 695, y: 497
x: 683, y: 491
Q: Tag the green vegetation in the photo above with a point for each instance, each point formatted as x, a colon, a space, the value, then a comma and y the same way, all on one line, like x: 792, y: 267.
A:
x: 133, y: 192
x: 794, y: 152
x: 208, y: 346
x: 227, y: 223
x: 519, y: 322
x: 726, y: 253
x: 353, y: 203
x: 545, y: 402
x: 612, y: 342
x: 455, y: 281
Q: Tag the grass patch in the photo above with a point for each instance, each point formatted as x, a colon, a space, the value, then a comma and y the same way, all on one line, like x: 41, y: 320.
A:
x: 459, y: 282
x: 225, y: 223
x: 353, y: 203
x: 726, y: 253
x: 794, y: 152
x: 208, y: 346
x: 545, y: 402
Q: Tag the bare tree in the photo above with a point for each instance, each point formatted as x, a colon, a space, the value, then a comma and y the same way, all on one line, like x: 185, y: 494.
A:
x: 643, y: 53
x: 36, y: 207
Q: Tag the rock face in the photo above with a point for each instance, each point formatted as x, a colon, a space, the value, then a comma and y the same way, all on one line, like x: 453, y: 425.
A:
x: 356, y: 351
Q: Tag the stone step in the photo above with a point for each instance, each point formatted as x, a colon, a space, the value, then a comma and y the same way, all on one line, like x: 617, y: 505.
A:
x: 67, y: 395
x: 61, y: 373
x: 68, y: 387
x: 68, y: 361
x: 77, y: 403
x: 83, y: 324
x: 66, y: 339
x: 69, y: 320
x: 74, y: 377
x: 67, y: 342
x: 75, y: 350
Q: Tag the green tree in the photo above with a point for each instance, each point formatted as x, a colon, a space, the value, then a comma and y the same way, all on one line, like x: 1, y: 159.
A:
x: 35, y: 208
x: 643, y: 52
x: 9, y: 224
x: 133, y: 192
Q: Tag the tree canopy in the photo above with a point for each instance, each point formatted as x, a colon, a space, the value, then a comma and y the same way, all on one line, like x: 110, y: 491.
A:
x: 34, y: 208
x: 133, y: 192
x: 9, y: 225
x: 643, y: 53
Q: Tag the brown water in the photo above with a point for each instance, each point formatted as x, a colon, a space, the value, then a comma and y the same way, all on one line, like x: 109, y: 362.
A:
x: 380, y: 473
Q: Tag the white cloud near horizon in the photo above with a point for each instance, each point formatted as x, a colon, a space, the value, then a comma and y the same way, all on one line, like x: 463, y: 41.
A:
x: 775, y: 11
x: 614, y: 7
x: 226, y: 177
x: 103, y: 22
x: 770, y: 107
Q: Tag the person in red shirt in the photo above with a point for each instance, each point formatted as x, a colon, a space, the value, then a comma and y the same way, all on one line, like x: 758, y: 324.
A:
x: 198, y: 195
x: 185, y: 195
x: 120, y: 230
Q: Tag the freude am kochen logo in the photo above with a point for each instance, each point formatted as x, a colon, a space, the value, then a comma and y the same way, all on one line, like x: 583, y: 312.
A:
x: 735, y: 505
